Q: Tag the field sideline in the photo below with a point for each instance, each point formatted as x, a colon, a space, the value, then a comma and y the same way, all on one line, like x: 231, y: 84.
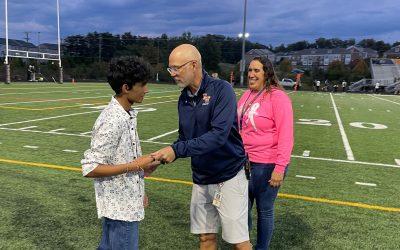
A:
x: 341, y: 191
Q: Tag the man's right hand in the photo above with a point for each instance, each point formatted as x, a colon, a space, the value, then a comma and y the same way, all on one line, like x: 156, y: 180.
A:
x: 164, y: 155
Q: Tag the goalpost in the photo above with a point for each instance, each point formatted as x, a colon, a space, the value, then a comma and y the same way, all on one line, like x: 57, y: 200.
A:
x: 36, y: 55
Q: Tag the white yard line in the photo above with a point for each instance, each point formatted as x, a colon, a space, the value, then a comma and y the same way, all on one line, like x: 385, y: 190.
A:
x: 48, y: 118
x: 56, y: 130
x: 85, y: 133
x: 165, y: 134
x: 34, y: 147
x: 55, y: 100
x: 306, y: 177
x: 82, y: 113
x: 169, y: 143
x: 48, y: 92
x: 69, y: 99
x: 70, y: 151
x: 75, y: 91
x: 365, y: 184
x: 25, y: 128
x: 347, y: 161
x: 384, y: 99
x: 346, y: 143
x: 45, y: 132
x: 154, y: 142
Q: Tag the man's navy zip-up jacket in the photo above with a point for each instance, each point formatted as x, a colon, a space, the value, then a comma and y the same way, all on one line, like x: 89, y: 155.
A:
x: 208, y: 132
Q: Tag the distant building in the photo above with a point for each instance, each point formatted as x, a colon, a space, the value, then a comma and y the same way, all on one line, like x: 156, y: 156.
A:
x: 260, y: 52
x: 321, y: 58
x: 362, y: 53
x: 394, y: 52
x: 288, y: 56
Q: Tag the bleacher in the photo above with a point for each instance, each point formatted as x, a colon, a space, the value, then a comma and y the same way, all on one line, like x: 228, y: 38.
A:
x: 386, y: 70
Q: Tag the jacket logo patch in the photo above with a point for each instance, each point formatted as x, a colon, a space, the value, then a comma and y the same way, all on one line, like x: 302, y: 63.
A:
x: 206, y: 99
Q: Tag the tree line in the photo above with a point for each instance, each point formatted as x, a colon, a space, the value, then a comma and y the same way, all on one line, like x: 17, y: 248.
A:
x: 84, y: 52
x: 87, y: 56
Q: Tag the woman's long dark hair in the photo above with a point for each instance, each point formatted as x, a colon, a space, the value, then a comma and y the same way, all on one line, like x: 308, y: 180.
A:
x: 271, y: 79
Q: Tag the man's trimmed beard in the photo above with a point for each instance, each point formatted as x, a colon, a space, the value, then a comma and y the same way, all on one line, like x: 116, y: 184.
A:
x: 182, y: 84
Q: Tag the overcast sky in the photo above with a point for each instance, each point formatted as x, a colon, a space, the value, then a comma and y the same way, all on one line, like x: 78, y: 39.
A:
x: 268, y: 21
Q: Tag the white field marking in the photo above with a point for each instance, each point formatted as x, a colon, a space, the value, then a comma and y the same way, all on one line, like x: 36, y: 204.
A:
x: 85, y: 133
x: 346, y: 161
x: 56, y: 130
x: 385, y: 99
x: 306, y: 177
x: 346, y: 144
x: 369, y: 109
x: 25, y: 128
x: 48, y: 118
x: 55, y: 100
x: 27, y: 146
x: 165, y: 134
x: 46, y: 132
x: 318, y: 107
x: 397, y: 161
x: 70, y: 151
x: 306, y: 153
x: 365, y: 184
x: 352, y: 108
x: 48, y: 92
x: 301, y: 106
x: 82, y: 113
x: 154, y: 142
x: 168, y: 143
x: 76, y: 91
x: 98, y: 107
x: 78, y: 135
x: 388, y: 110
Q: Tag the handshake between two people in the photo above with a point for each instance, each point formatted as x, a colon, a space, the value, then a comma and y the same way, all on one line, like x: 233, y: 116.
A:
x: 149, y: 163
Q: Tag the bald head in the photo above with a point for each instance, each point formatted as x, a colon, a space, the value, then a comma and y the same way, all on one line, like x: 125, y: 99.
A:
x: 184, y: 53
x: 185, y: 66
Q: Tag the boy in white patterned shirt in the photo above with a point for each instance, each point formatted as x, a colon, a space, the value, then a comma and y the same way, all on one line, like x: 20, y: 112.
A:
x: 114, y: 158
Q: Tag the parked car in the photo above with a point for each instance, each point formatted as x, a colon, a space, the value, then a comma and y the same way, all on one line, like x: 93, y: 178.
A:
x: 287, y: 82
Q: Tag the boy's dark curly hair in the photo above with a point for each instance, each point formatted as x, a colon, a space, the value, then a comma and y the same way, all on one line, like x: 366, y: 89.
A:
x: 128, y: 70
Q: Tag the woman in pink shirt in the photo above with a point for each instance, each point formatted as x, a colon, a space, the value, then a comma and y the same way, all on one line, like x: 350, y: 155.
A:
x: 266, y: 125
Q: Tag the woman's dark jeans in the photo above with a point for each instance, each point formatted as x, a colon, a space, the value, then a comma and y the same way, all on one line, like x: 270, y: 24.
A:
x: 264, y: 195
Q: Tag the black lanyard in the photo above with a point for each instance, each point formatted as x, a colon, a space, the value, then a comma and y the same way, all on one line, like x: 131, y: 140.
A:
x: 246, y: 107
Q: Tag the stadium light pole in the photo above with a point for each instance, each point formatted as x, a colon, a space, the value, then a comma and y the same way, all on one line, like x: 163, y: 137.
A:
x: 243, y: 61
x: 59, y: 44
x: 6, y: 64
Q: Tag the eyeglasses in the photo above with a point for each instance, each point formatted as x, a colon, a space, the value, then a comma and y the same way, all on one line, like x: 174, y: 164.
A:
x: 175, y: 69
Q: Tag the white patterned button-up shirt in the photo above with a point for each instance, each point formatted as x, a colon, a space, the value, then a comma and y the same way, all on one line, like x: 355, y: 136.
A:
x: 115, y: 141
